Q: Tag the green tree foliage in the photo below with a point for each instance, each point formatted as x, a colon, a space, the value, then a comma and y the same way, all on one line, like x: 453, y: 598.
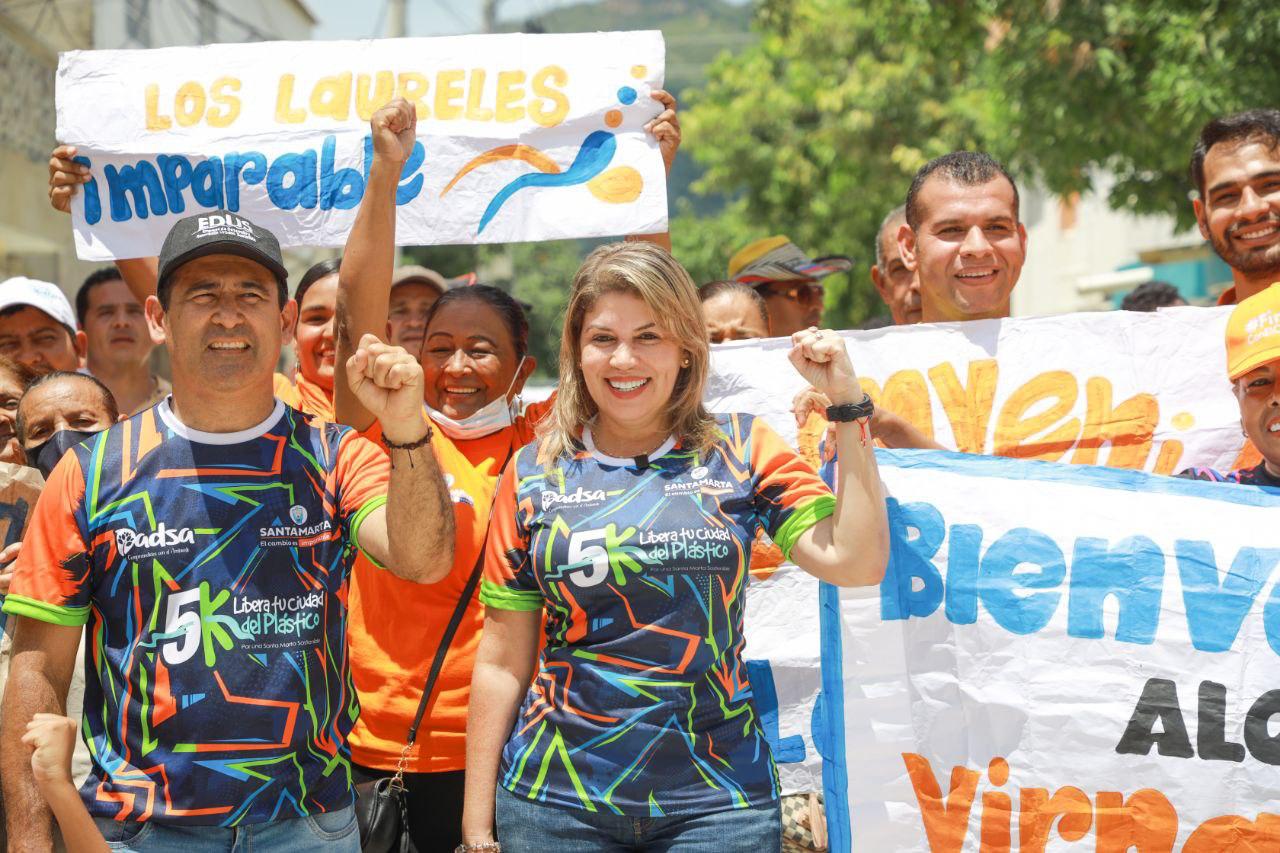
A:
x: 539, y: 274
x: 818, y: 127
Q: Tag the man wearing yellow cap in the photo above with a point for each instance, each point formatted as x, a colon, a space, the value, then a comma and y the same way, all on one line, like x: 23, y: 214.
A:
x: 1253, y: 366
x: 788, y: 279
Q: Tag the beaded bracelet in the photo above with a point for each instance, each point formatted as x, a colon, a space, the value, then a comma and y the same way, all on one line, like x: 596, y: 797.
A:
x: 411, y: 446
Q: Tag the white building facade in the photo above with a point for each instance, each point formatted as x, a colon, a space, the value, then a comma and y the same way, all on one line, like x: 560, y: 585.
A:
x: 1081, y: 255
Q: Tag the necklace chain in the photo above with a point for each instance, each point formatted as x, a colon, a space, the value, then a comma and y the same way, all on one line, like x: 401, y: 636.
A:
x: 649, y: 447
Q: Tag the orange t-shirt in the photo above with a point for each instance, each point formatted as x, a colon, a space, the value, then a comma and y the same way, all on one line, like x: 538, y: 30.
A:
x: 304, y: 395
x: 396, y: 626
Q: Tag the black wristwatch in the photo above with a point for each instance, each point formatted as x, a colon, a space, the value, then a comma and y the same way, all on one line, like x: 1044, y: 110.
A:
x: 846, y: 412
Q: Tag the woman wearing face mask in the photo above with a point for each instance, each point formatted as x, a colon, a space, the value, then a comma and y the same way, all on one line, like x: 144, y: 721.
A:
x: 475, y: 360
x: 619, y: 544
x: 311, y: 390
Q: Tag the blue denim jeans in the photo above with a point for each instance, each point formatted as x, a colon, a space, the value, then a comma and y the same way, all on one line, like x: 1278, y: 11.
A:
x: 328, y: 831
x: 525, y: 826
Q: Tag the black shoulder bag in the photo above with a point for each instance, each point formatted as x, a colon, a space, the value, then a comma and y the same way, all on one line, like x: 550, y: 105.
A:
x: 381, y: 810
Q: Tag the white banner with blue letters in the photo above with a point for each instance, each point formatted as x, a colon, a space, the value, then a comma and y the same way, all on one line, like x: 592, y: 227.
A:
x: 1059, y: 658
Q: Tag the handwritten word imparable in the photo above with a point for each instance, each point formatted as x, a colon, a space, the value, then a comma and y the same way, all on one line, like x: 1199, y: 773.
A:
x: 167, y: 183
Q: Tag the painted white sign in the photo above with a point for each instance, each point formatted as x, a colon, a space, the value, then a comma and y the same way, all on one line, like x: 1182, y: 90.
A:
x: 1120, y: 388
x: 519, y: 137
x: 1059, y: 658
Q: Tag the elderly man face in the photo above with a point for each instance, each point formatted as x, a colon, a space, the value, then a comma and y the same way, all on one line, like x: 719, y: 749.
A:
x: 898, y: 286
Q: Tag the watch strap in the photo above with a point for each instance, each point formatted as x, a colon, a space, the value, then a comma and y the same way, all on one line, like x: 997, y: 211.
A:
x: 846, y: 412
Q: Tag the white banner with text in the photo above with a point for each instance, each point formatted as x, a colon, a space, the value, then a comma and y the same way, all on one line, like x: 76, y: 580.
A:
x: 519, y: 137
x: 1119, y: 388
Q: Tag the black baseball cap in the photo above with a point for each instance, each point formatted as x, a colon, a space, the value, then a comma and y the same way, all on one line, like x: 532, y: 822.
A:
x: 219, y: 232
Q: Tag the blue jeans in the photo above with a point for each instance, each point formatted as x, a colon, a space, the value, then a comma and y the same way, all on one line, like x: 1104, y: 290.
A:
x: 328, y: 831
x: 526, y: 826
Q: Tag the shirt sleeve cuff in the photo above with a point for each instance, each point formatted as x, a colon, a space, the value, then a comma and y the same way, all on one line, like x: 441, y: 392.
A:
x: 20, y: 605
x: 801, y: 520
x: 358, y: 519
x: 505, y: 598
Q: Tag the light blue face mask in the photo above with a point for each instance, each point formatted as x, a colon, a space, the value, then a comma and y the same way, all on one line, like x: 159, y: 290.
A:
x: 498, y: 414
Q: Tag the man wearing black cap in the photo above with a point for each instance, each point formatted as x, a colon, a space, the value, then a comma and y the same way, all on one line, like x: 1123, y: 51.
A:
x: 206, y: 544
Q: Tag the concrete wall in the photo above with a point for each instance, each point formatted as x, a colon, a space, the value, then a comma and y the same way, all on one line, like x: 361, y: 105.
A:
x: 166, y: 23
x: 35, y: 240
x: 1071, y: 239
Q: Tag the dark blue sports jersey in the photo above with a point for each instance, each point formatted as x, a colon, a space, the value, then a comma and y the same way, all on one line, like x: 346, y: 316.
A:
x: 211, y: 572
x: 642, y: 705
x: 1255, y: 476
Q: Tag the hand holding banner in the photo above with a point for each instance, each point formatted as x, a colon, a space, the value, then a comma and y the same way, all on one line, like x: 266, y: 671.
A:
x: 519, y: 137
x: 1059, y: 656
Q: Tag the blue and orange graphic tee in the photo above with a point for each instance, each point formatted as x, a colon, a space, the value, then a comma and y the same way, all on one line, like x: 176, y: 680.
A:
x: 211, y: 571
x: 1258, y: 475
x: 641, y: 705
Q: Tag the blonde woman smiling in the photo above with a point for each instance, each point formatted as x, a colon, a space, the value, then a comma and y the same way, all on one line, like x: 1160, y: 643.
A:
x: 624, y: 534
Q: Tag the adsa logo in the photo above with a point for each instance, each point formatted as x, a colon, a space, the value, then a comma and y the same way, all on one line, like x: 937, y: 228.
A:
x: 575, y: 498
x: 129, y: 541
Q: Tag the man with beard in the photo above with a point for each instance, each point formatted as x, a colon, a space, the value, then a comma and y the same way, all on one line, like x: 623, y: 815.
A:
x: 1235, y: 168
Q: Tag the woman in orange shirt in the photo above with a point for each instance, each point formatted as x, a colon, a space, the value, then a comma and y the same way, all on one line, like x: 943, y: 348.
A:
x: 475, y: 362
x: 311, y: 390
x: 475, y: 355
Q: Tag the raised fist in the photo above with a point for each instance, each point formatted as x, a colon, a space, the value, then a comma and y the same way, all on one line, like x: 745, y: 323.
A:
x: 394, y: 128
x: 388, y: 382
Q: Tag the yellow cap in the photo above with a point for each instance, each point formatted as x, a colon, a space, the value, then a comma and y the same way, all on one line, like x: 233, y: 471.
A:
x: 1253, y: 332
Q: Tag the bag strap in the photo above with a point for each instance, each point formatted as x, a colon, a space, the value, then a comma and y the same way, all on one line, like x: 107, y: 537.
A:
x: 446, y: 640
